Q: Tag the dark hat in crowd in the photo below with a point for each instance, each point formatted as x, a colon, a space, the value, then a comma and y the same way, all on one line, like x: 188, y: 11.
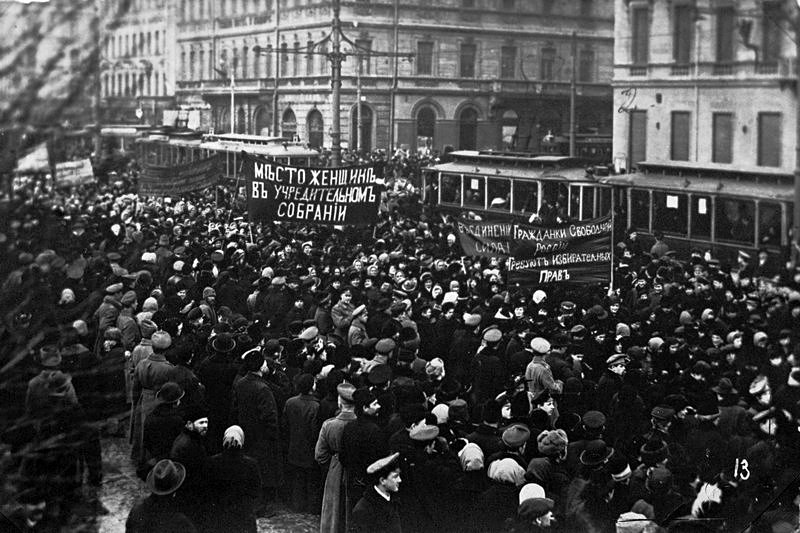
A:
x: 49, y: 356
x: 662, y: 412
x: 593, y: 419
x: 654, y: 451
x: 166, y: 477
x: 596, y: 453
x: 706, y: 405
x: 385, y: 346
x: 567, y: 307
x: 253, y: 360
x: 170, y: 392
x: 516, y: 435
x: 58, y: 383
x: 459, y: 411
x: 223, y: 343
x: 724, y: 387
x: 129, y: 298
x: 533, y: 502
x: 363, y: 397
x: 380, y: 374
x: 658, y: 479
x: 677, y: 402
x: 618, y: 467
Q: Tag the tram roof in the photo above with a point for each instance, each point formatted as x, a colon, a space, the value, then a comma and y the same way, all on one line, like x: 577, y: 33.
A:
x: 269, y: 150
x: 525, y: 173
x: 516, y: 158
x: 250, y: 139
x: 717, y: 186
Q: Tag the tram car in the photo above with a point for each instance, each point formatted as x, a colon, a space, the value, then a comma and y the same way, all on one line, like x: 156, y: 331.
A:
x: 590, y: 147
x: 541, y: 189
x: 694, y: 207
x: 169, y: 147
x: 707, y: 208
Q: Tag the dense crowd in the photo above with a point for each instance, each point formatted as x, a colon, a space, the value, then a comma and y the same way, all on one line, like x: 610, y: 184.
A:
x: 379, y: 378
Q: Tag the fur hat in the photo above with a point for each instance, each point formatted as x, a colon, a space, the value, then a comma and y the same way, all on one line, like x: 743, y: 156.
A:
x: 552, y: 442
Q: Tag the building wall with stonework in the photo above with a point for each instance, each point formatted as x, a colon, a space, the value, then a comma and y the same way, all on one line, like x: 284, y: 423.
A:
x: 463, y: 73
x: 706, y: 83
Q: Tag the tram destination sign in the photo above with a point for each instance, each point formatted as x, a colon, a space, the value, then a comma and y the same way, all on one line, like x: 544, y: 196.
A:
x: 327, y: 196
x: 180, y: 179
x: 538, y: 255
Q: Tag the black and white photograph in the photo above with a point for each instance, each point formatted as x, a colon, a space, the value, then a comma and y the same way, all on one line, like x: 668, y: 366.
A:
x: 384, y: 266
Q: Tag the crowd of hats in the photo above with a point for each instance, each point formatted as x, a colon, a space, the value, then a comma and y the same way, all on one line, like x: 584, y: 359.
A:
x: 683, y: 323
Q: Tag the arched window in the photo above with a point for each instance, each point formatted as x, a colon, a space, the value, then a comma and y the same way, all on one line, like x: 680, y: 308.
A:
x: 289, y: 124
x: 366, y: 129
x: 241, y: 121
x: 261, y: 122
x: 426, y: 125
x: 315, y: 128
x: 224, y: 121
x: 510, y: 123
x: 468, y: 129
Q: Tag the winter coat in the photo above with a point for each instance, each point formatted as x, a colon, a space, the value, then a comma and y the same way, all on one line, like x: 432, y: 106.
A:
x: 232, y: 492
x: 302, y: 426
x: 373, y: 514
x: 255, y: 411
x: 326, y: 453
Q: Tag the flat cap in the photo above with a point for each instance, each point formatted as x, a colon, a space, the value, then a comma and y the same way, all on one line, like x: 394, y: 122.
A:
x: 616, y: 359
x: 593, y: 419
x: 383, y: 464
x: 662, y: 412
x: 492, y: 335
x: 540, y: 345
x: 516, y: 435
x: 424, y: 432
x: 385, y: 346
x: 114, y: 288
x: 309, y: 334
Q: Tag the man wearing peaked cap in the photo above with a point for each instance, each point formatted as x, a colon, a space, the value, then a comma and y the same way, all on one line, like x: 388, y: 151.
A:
x: 538, y: 373
x: 492, y: 335
x: 376, y: 511
x: 327, y: 455
x: 309, y: 334
x: 515, y: 437
x: 424, y: 433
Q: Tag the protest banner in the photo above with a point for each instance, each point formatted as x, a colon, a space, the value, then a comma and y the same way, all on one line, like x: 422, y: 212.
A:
x: 329, y: 196
x: 180, y: 179
x: 74, y: 172
x: 579, y: 252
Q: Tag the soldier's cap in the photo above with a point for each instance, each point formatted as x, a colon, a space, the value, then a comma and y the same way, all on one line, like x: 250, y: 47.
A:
x: 384, y: 464
x: 662, y: 412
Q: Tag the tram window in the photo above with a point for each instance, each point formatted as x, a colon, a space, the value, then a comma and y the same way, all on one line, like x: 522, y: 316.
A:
x: 554, y: 202
x: 605, y: 202
x: 526, y: 196
x: 670, y: 212
x: 499, y: 194
x: 734, y: 220
x: 474, y: 191
x: 451, y: 189
x: 701, y: 217
x: 588, y: 203
x: 769, y: 224
x: 640, y: 210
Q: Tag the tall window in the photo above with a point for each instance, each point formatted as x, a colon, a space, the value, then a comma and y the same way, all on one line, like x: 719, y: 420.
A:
x: 548, y: 63
x: 508, y: 5
x: 771, y: 40
x: 725, y: 28
x: 640, y: 20
x: 508, y: 61
x: 296, y: 59
x: 722, y: 151
x: 284, y: 64
x: 309, y: 58
x: 364, y: 49
x: 467, y: 63
x: 769, y: 139
x: 467, y: 3
x: 679, y: 142
x: 245, y: 52
x: 586, y: 66
x: 586, y: 8
x: 424, y: 58
x: 682, y: 34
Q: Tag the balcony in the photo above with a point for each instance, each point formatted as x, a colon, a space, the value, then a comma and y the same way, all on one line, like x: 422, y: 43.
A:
x: 783, y: 69
x: 679, y: 70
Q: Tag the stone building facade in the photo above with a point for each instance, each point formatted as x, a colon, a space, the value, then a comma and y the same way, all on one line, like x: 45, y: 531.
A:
x: 433, y: 73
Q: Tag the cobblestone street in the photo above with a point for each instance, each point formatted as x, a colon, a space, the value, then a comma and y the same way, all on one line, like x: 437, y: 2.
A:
x: 121, y: 488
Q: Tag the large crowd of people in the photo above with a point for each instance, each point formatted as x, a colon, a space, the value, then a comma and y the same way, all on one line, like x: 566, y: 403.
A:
x: 377, y: 377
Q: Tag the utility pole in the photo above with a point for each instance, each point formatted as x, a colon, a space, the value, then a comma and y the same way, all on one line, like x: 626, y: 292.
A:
x: 395, y: 71
x: 96, y: 35
x: 796, y: 210
x: 336, y: 59
x: 232, y: 68
x: 359, y: 123
x: 572, y: 94
x: 277, y: 68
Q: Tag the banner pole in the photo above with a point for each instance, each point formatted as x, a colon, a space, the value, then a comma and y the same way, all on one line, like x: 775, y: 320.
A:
x: 250, y: 227
x: 613, y: 245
